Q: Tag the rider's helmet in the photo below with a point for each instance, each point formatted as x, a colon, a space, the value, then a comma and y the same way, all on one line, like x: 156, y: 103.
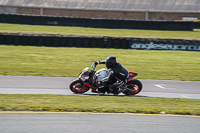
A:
x: 110, y: 61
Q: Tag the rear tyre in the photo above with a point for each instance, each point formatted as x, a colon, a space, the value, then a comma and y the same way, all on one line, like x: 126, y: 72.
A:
x: 134, y: 85
x: 78, y: 87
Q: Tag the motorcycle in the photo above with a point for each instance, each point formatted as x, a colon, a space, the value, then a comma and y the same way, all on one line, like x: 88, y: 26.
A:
x: 91, y: 79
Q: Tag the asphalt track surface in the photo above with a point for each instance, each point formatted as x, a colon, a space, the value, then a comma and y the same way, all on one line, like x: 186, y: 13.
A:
x: 96, y: 123
x: 46, y: 122
x: 60, y: 85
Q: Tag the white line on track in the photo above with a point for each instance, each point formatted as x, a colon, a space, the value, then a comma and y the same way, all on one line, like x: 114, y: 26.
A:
x: 185, y: 96
x: 162, y: 86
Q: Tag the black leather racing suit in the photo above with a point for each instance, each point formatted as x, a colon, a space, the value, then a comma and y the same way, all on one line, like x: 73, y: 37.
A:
x: 117, y: 77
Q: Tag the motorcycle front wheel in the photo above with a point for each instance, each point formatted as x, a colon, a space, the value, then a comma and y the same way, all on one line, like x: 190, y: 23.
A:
x: 134, y: 85
x: 78, y: 87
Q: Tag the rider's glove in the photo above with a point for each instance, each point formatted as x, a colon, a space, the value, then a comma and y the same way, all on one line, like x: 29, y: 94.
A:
x: 96, y: 63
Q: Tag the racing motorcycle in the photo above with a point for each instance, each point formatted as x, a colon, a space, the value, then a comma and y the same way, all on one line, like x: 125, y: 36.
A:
x: 91, y: 79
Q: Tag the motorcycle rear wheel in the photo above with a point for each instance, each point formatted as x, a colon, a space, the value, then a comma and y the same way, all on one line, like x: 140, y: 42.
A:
x: 78, y: 87
x: 134, y: 85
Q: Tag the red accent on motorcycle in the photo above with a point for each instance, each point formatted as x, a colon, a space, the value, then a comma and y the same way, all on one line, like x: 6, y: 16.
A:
x: 84, y: 75
x: 132, y: 75
x: 79, y: 88
x: 90, y: 86
x: 134, y: 87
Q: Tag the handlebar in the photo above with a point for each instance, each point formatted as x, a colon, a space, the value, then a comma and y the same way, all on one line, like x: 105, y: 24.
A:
x: 93, y: 65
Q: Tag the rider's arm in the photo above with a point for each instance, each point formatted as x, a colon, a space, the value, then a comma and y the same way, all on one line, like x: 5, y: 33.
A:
x: 100, y: 62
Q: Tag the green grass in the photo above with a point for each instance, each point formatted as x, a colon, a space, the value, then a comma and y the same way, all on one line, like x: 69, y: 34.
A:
x: 36, y: 29
x: 99, y: 104
x: 50, y: 61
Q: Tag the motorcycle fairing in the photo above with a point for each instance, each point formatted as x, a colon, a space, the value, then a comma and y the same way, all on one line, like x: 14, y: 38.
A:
x: 131, y: 75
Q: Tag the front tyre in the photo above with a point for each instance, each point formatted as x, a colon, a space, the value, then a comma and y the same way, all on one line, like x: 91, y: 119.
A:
x: 78, y: 87
x: 134, y: 85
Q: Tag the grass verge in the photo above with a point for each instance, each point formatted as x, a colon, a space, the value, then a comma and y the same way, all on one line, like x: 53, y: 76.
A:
x: 74, y: 31
x: 99, y: 104
x: 43, y: 61
x: 50, y: 61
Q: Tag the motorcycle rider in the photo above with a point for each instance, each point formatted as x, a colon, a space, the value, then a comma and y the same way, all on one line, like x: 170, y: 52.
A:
x: 118, y: 75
